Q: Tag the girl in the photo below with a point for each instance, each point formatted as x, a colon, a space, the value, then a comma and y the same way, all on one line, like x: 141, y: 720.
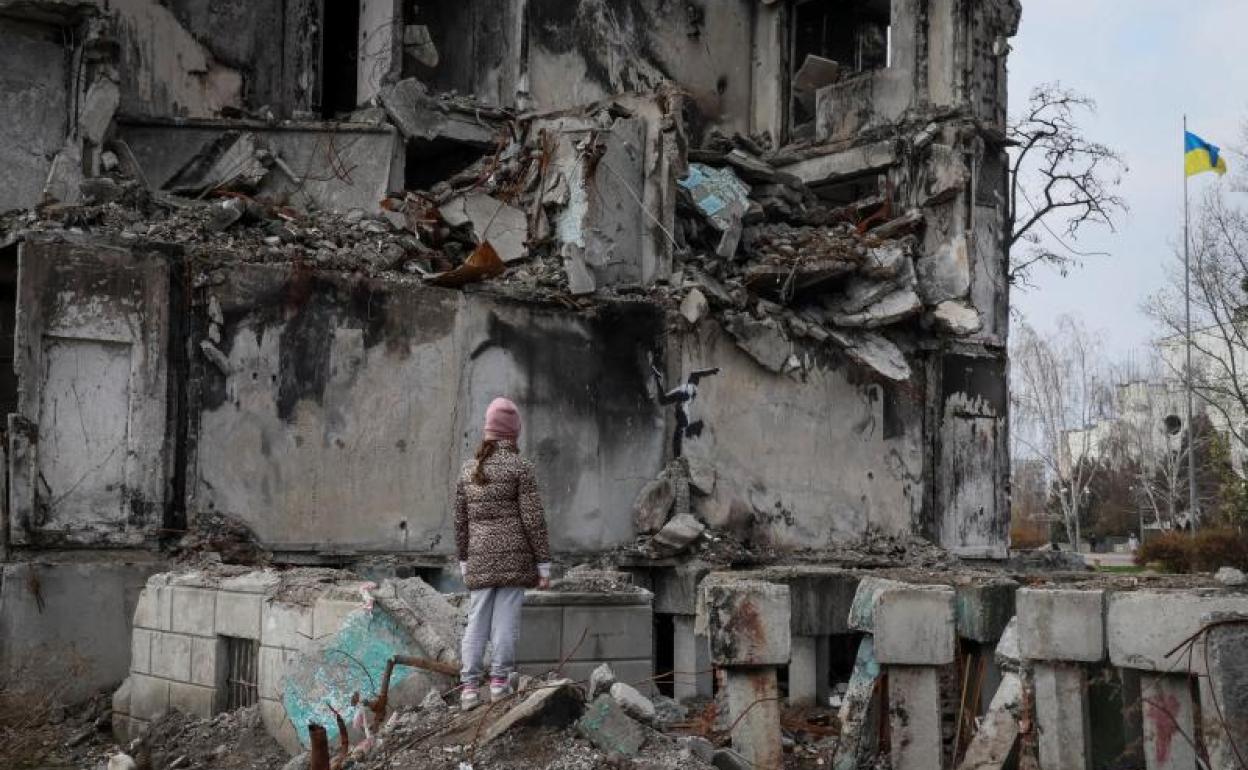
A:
x: 500, y: 536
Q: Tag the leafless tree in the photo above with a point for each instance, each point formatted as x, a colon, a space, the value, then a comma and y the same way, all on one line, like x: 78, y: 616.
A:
x: 1060, y: 181
x: 1058, y: 392
x: 1219, y: 293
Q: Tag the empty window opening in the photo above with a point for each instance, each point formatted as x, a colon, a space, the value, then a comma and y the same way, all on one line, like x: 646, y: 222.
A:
x: 242, y: 673
x: 830, y: 40
x: 854, y: 190
x: 665, y: 654
x: 436, y: 160
x: 340, y: 51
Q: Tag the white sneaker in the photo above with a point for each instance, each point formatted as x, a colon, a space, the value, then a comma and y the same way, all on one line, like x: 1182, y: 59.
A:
x: 469, y: 698
x: 500, y: 688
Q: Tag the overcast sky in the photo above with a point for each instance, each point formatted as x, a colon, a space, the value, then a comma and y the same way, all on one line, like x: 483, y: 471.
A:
x: 1145, y: 62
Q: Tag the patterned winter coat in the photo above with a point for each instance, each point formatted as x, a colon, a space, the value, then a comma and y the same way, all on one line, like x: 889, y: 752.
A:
x: 500, y: 528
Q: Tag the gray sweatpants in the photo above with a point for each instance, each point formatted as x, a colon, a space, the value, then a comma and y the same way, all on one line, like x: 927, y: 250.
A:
x: 493, y: 616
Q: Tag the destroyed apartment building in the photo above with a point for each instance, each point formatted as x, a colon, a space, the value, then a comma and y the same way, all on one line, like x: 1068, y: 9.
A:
x: 739, y: 263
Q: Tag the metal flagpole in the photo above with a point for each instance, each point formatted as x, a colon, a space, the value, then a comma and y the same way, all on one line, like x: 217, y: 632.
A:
x: 1192, y: 513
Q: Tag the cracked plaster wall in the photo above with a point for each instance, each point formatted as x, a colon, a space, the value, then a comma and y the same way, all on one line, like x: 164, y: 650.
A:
x: 34, y: 100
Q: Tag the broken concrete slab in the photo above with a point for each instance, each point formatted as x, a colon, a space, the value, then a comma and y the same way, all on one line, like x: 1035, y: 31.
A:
x: 764, y: 340
x: 554, y: 704
x: 874, y: 351
x: 886, y: 261
x: 231, y: 160
x: 504, y: 227
x: 887, y: 310
x: 580, y: 279
x: 1136, y: 640
x: 419, y: 116
x: 859, y: 710
x: 985, y: 608
x: 605, y: 725
x: 64, y: 181
x: 97, y: 111
x: 679, y: 533
x: 994, y: 742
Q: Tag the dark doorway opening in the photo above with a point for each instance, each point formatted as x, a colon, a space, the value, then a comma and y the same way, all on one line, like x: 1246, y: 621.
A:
x: 664, y: 653
x: 436, y: 160
x: 340, y: 51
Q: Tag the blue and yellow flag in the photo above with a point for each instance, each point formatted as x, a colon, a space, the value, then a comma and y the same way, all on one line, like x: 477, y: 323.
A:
x: 1199, y: 156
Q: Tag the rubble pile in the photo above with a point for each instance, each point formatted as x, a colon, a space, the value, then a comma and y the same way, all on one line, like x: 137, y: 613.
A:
x: 233, y: 740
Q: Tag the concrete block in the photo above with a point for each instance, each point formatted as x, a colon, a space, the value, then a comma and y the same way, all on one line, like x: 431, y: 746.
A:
x: 329, y: 613
x: 676, y: 588
x: 984, y: 609
x: 638, y: 673
x: 754, y: 708
x: 608, y: 632
x: 192, y: 699
x: 238, y: 615
x: 866, y: 595
x: 748, y: 621
x: 1224, y: 693
x: 286, y: 625
x: 915, y: 625
x: 1142, y: 626
x: 691, y: 660
x: 141, y: 651
x: 1061, y: 624
x: 1062, y: 716
x: 149, y: 697
x: 171, y: 656
x: 152, y: 609
x: 542, y: 636
x: 605, y: 725
x: 1169, y: 721
x: 205, y: 654
x: 914, y: 716
x: 193, y: 610
x: 820, y: 598
x: 803, y: 670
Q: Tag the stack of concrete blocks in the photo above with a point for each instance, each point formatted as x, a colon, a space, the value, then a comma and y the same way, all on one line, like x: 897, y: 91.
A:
x: 178, y: 658
x: 1060, y: 631
x: 748, y: 625
x: 1146, y: 631
x: 584, y: 630
x: 676, y: 594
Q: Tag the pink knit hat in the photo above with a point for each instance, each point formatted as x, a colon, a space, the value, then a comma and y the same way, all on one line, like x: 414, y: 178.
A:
x: 502, y: 421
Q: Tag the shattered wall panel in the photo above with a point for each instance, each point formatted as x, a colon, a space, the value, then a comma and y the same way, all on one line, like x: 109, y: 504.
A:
x: 33, y: 100
x: 88, y: 464
x: 579, y: 52
x: 809, y: 462
x: 348, y: 406
x: 167, y: 71
x: 337, y: 166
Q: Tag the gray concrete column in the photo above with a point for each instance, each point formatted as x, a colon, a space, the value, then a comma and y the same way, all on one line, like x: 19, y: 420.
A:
x: 1224, y: 693
x: 754, y: 705
x: 1062, y: 716
x: 823, y: 666
x: 914, y: 717
x: 803, y: 671
x: 1169, y: 721
x: 691, y: 660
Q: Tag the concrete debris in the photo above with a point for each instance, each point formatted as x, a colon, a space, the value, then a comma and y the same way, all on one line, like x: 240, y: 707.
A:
x: 885, y: 311
x: 216, y: 357
x: 815, y: 73
x: 557, y: 703
x: 874, y: 351
x: 727, y: 759
x: 600, y: 681
x: 233, y: 161
x: 957, y: 317
x: 763, y: 340
x: 679, y: 533
x: 1229, y: 576
x: 653, y: 504
x: 633, y: 702
x: 694, y: 306
x: 504, y: 227
x: 607, y: 726
x: 718, y: 194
